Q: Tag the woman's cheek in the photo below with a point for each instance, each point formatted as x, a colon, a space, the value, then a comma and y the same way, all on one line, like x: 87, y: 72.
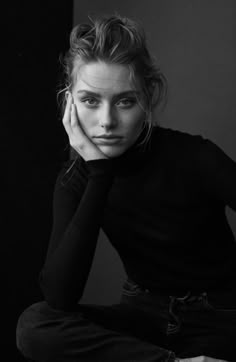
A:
x: 137, y: 126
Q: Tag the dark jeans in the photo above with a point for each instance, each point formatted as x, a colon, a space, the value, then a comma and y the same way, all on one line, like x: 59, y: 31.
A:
x: 145, y: 326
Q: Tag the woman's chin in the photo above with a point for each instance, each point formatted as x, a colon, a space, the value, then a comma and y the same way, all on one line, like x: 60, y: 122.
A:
x: 112, y: 151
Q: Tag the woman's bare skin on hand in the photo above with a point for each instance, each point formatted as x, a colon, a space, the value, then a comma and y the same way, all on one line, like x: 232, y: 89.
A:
x: 77, y: 137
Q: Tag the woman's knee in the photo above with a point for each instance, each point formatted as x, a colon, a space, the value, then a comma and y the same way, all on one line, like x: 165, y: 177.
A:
x: 37, y: 333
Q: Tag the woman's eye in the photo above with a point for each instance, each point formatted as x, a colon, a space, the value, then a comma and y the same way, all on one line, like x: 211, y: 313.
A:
x: 91, y: 102
x: 126, y: 102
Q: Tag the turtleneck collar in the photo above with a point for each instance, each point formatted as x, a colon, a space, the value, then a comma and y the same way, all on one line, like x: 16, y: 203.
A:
x: 139, y: 147
x: 137, y: 154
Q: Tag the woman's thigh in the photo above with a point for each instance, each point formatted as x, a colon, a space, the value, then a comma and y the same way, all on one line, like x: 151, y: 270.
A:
x: 208, y: 328
x: 92, y: 332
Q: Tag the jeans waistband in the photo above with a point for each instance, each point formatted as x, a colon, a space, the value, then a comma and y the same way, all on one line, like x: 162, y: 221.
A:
x: 132, y: 288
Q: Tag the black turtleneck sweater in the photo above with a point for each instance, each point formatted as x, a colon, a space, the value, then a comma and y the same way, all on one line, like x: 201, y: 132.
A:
x: 163, y: 210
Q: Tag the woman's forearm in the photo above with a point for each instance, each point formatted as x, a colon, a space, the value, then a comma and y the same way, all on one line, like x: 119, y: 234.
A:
x: 65, y: 273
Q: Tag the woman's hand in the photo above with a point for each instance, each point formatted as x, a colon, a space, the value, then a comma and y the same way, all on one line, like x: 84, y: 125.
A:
x: 77, y: 137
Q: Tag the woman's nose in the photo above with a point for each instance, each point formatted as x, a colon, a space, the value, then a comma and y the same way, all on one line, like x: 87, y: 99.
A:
x: 107, y: 118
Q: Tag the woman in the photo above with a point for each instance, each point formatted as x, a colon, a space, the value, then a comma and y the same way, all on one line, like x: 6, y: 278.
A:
x: 160, y: 197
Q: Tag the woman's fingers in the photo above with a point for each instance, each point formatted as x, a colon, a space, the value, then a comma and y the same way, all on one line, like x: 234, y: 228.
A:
x: 67, y: 115
x: 74, y: 120
x: 77, y: 130
x: 77, y: 137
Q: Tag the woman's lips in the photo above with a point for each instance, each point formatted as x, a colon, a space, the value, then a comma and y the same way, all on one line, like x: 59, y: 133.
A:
x: 108, y: 140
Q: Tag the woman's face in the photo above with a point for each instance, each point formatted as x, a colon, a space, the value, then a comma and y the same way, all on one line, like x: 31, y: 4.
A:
x: 110, y: 109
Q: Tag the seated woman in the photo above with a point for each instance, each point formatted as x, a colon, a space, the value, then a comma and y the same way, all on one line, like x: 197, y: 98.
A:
x: 159, y: 195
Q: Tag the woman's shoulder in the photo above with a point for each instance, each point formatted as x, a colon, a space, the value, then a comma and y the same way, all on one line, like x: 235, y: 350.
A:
x: 177, y: 141
x: 183, y: 146
x: 196, y: 149
x: 176, y: 135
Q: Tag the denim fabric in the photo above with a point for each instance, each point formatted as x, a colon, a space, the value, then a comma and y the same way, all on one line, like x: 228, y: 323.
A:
x: 144, y: 326
x: 194, y: 324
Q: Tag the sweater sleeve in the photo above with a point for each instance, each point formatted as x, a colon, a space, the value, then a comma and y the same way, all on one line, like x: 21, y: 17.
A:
x: 217, y: 173
x: 78, y: 206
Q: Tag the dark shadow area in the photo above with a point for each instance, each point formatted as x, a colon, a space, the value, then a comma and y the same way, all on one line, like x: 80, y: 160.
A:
x: 33, y: 146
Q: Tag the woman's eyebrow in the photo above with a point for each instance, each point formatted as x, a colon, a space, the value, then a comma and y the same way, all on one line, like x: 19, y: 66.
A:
x: 116, y: 95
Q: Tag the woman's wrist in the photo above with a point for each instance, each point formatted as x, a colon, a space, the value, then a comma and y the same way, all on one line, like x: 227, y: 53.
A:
x: 100, y: 167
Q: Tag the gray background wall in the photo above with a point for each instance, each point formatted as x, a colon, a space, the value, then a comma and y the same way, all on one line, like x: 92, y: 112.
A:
x: 194, y: 41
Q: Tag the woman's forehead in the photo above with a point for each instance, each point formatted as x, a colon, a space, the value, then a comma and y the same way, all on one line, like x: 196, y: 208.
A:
x: 104, y: 76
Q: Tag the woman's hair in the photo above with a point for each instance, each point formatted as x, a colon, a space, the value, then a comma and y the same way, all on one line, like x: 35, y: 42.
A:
x: 118, y: 40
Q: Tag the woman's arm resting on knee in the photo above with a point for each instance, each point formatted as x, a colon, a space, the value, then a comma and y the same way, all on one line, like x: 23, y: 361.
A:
x: 77, y: 219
